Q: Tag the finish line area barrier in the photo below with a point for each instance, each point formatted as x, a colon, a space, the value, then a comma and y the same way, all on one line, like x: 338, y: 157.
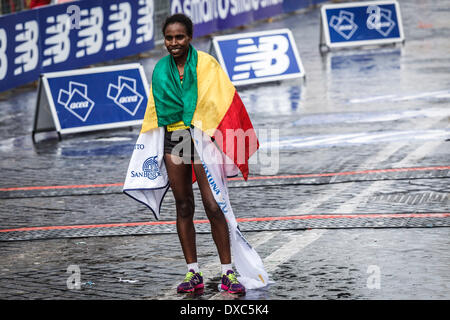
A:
x: 91, y: 99
x: 76, y: 34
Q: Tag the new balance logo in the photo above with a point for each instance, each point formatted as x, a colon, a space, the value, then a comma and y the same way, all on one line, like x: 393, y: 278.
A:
x: 3, y: 56
x: 259, y: 56
x: 120, y: 26
x: 27, y: 47
x: 145, y: 21
x: 266, y: 58
x: 91, y: 34
x: 58, y: 41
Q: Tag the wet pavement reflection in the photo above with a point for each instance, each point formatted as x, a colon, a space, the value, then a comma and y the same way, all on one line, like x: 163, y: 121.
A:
x: 357, y: 109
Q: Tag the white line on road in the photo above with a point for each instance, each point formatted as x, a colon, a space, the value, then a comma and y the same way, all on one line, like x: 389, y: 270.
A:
x: 350, y: 205
x: 380, y: 156
x: 295, y: 243
x: 370, y: 162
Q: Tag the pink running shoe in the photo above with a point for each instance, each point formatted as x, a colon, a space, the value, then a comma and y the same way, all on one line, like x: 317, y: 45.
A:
x: 231, y: 284
x: 192, y: 281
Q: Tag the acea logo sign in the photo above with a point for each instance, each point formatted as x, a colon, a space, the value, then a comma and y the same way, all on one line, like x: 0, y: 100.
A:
x: 344, y: 24
x: 76, y: 100
x: 380, y: 20
x: 361, y: 23
x: 259, y: 57
x: 124, y: 95
x: 91, y: 99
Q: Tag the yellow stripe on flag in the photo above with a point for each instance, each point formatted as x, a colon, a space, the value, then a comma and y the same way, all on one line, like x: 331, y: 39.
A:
x: 150, y: 117
x: 215, y: 94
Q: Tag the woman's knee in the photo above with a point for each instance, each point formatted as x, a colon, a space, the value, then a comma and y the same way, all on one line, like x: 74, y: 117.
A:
x: 185, y: 208
x: 213, y: 211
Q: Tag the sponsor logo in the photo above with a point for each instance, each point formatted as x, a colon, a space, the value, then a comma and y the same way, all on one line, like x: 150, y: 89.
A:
x: 145, y: 21
x: 265, y: 56
x: 202, y: 11
x: 380, y: 20
x: 91, y: 34
x: 3, y: 56
x: 76, y: 100
x: 120, y: 25
x: 26, y: 47
x: 259, y: 56
x: 344, y: 24
x: 124, y: 95
x: 150, y: 169
x: 57, y: 39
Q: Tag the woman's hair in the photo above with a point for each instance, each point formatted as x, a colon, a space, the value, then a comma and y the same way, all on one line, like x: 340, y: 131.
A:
x: 180, y: 18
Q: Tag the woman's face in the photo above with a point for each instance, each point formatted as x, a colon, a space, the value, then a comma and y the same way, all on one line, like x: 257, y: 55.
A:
x: 176, y: 40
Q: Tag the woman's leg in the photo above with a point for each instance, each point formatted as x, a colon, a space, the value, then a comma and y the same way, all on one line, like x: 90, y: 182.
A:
x: 219, y: 229
x: 180, y: 177
x: 219, y: 226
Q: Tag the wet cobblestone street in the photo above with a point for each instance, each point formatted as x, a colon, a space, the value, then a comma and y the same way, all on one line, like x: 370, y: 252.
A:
x: 366, y: 134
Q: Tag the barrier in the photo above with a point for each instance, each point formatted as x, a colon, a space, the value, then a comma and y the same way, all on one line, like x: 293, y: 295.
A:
x: 91, y: 99
x: 360, y: 23
x: 258, y: 56
x: 210, y: 16
x: 71, y: 35
x: 76, y: 34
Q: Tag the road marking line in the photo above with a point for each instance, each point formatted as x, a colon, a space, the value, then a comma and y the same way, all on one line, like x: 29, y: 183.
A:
x: 294, y: 245
x: 255, y: 178
x: 380, y: 156
x: 354, y: 202
x: 259, y: 241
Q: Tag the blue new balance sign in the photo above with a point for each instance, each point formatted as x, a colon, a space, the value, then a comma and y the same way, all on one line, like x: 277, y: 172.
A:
x: 361, y: 23
x: 91, y: 99
x: 259, y: 57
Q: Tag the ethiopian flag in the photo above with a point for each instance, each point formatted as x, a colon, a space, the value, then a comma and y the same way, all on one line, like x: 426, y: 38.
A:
x: 205, y: 99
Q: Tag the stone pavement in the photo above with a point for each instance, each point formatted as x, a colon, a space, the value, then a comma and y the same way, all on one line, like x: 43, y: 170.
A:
x: 343, y: 151
x: 412, y: 263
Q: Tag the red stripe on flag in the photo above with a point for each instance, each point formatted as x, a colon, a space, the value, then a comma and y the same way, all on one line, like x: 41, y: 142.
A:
x: 239, y: 141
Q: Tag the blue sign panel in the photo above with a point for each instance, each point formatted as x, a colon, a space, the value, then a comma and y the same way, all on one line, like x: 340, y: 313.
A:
x: 100, y: 98
x: 71, y: 35
x: 259, y: 56
x: 213, y: 15
x: 361, y: 23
